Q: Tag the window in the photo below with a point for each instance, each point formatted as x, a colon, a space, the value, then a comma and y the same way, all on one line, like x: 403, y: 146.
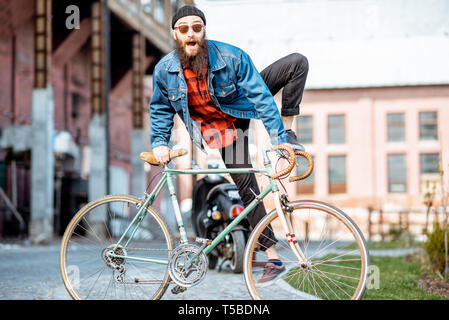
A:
x: 428, y: 126
x: 397, y: 173
x: 304, y: 131
x: 429, y: 173
x: 429, y: 162
x: 395, y: 127
x: 336, y: 129
x: 308, y: 184
x: 337, y: 174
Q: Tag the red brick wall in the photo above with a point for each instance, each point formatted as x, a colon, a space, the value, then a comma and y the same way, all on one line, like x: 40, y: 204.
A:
x: 5, y: 80
x: 120, y: 129
x: 24, y: 73
x: 71, y: 92
x: 6, y: 23
x: 21, y: 77
x: 71, y: 86
x: 13, y: 13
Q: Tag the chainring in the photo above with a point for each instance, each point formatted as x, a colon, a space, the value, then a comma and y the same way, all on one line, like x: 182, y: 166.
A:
x: 186, y: 270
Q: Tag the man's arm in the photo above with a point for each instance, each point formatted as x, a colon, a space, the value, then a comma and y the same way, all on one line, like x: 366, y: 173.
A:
x: 161, y: 114
x: 161, y: 117
x: 251, y: 81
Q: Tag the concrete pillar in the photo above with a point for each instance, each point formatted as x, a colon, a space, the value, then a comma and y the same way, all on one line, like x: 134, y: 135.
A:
x: 97, y: 143
x: 97, y: 185
x: 42, y: 170
x: 42, y: 166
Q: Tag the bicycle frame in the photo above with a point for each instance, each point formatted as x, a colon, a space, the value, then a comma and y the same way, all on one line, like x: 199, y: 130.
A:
x: 167, y: 178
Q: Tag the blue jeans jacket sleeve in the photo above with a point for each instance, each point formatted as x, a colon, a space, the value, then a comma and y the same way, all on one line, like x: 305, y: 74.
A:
x: 258, y: 93
x: 161, y: 113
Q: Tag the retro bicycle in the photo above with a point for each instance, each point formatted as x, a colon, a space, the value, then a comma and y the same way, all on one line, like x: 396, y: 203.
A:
x: 120, y: 247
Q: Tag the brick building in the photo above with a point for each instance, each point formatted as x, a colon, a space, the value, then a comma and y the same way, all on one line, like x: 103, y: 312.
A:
x: 73, y: 98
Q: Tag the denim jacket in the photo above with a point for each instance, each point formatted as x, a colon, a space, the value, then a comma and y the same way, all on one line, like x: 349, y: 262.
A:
x: 235, y: 86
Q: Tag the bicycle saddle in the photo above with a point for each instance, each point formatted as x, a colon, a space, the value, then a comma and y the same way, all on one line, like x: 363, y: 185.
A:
x: 149, y: 156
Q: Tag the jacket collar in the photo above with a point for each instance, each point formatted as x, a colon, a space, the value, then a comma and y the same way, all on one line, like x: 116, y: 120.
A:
x: 216, y: 61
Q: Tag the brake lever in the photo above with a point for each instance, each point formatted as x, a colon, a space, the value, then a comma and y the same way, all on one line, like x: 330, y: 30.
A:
x: 284, y: 155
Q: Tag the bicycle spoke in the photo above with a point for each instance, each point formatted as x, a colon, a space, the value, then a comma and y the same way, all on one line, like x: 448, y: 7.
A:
x: 93, y: 285
x: 335, y: 283
x: 98, y: 228
x: 338, y: 266
x: 318, y: 284
x: 327, y: 272
x: 342, y: 255
x: 327, y: 285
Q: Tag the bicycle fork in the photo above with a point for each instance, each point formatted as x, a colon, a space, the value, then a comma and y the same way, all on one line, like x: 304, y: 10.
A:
x: 291, y: 238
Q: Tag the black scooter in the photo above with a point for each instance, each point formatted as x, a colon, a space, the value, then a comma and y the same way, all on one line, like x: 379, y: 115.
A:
x: 216, y: 202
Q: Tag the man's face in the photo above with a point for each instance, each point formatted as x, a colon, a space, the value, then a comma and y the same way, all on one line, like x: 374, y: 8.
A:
x: 190, y: 40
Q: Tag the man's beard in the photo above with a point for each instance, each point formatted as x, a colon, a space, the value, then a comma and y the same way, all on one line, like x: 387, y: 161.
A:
x: 196, y: 63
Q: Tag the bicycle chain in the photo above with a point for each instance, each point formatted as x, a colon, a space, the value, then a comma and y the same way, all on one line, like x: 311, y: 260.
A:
x: 145, y: 249
x: 121, y: 277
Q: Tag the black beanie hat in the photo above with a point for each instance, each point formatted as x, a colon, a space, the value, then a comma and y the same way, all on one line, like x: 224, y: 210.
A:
x: 187, y: 10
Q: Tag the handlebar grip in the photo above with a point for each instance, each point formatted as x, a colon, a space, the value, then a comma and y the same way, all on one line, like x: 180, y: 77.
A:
x: 291, y: 160
x: 309, y: 168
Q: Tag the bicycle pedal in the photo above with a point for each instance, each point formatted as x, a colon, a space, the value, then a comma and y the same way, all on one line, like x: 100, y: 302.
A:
x: 178, y: 289
x: 203, y: 240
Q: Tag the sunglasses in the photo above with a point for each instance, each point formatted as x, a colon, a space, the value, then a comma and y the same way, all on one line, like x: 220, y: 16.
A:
x: 197, y: 28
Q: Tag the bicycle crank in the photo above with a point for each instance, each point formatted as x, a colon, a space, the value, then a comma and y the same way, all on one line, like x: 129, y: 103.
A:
x: 188, y: 265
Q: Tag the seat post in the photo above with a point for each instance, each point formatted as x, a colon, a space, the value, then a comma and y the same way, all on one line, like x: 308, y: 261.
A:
x: 174, y: 199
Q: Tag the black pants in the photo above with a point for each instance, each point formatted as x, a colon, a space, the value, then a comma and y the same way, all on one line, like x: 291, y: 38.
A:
x: 289, y: 73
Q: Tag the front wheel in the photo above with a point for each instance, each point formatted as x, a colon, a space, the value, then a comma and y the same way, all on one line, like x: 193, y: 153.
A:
x: 88, y: 269
x: 337, y: 260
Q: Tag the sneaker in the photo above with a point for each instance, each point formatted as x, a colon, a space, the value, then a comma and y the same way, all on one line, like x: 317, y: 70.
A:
x: 271, y: 273
x: 293, y: 140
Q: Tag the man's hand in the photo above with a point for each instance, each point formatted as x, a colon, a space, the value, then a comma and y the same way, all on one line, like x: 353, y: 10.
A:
x: 162, y: 154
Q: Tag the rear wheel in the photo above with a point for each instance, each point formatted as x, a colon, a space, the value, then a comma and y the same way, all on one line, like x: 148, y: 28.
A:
x: 87, y: 267
x: 337, y: 260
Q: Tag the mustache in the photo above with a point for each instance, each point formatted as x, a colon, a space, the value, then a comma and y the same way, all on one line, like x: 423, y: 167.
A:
x: 198, y: 62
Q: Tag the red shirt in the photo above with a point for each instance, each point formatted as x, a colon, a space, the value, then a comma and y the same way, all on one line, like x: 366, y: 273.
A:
x: 216, y: 126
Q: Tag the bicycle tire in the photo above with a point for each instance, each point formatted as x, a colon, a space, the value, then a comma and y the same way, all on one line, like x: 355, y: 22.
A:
x: 305, y: 281
x: 82, y: 236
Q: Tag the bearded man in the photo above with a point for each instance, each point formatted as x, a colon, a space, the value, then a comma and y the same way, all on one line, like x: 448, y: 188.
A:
x: 215, y: 89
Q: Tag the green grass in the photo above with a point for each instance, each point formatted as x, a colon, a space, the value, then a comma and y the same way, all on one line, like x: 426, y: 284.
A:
x: 398, y: 281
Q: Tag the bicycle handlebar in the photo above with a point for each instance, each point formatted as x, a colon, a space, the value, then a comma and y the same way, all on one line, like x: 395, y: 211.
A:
x: 309, y: 166
x: 292, y: 162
